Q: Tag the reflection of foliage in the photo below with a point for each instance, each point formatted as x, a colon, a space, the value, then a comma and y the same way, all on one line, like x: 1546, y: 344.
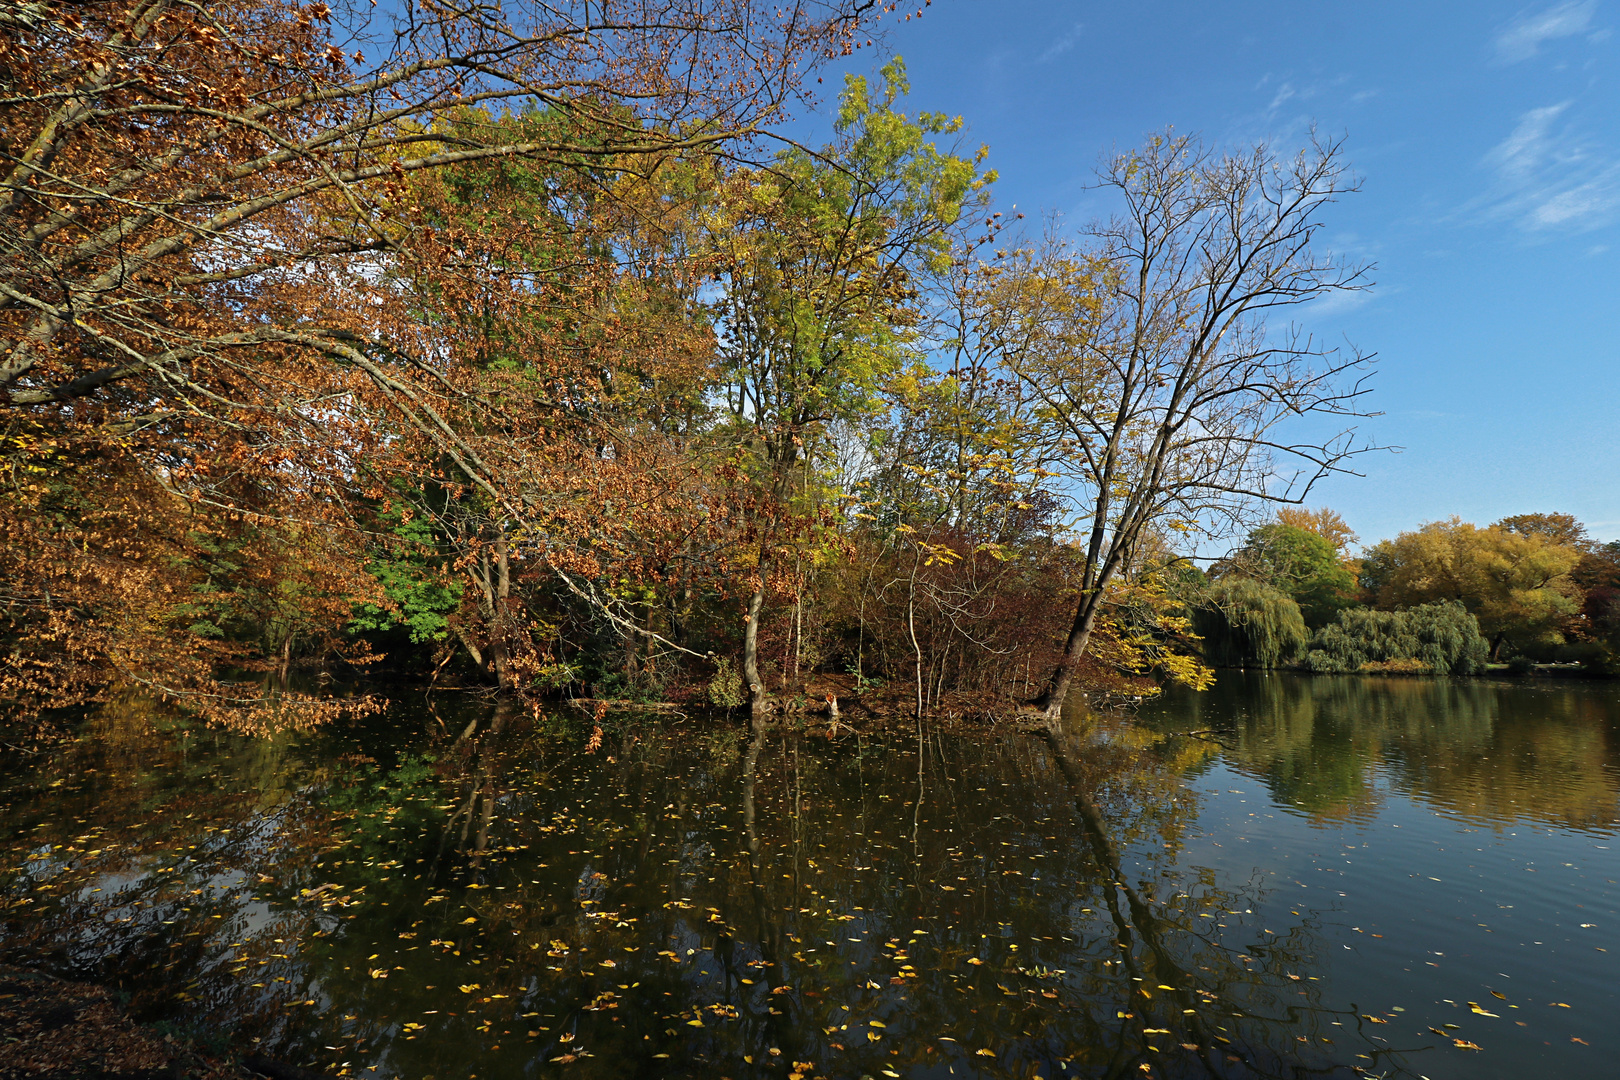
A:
x: 1439, y: 639
x: 994, y: 905
x: 1320, y: 744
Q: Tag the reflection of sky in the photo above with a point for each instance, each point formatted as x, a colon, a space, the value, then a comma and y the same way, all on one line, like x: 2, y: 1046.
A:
x: 1448, y: 840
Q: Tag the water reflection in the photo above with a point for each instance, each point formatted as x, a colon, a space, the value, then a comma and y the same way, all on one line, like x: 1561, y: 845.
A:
x: 444, y: 896
x: 1495, y: 753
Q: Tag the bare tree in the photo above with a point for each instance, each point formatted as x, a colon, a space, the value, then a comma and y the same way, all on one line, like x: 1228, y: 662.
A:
x: 1171, y: 397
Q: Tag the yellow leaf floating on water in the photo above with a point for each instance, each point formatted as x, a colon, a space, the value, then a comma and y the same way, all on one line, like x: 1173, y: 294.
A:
x: 468, y: 919
x: 1498, y: 994
x: 974, y: 960
x: 1464, y: 1044
x: 1474, y: 1006
x: 694, y: 1023
x: 985, y: 1053
x: 469, y: 988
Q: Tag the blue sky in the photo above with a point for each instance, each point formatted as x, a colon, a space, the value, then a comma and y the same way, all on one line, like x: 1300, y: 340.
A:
x: 1488, y: 138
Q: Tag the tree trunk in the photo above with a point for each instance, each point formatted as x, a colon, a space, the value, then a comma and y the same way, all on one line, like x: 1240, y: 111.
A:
x: 472, y: 650
x: 1051, y: 700
x: 500, y: 653
x: 750, y: 671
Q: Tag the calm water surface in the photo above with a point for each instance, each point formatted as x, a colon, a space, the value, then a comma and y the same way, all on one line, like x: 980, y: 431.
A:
x: 1280, y: 877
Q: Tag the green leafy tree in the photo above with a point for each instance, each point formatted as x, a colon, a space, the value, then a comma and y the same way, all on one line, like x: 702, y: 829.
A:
x: 1302, y: 564
x: 815, y: 258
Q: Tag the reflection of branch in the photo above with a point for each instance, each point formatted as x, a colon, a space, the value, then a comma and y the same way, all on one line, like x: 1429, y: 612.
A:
x: 1138, y: 916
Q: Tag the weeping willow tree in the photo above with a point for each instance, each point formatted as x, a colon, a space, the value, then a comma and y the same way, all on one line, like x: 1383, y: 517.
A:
x: 1248, y: 623
x: 1441, y: 638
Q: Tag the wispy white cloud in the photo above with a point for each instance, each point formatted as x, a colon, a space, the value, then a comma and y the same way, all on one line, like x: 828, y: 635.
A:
x: 1061, y: 45
x: 1531, y: 144
x: 1549, y: 177
x: 1523, y: 37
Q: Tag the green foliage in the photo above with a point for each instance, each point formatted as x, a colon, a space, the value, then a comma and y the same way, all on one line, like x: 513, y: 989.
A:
x: 422, y: 595
x: 1248, y: 623
x: 1304, y: 565
x: 1443, y: 638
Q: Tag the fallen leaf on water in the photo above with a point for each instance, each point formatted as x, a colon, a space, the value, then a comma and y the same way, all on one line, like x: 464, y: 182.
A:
x: 1374, y: 1019
x: 1473, y: 1006
x: 985, y: 1053
x: 1189, y: 1046
x: 1583, y: 1042
x: 1464, y: 1044
x: 1498, y: 994
x: 1560, y: 1004
x: 468, y: 919
x: 694, y: 1023
x: 566, y: 1058
x: 469, y: 988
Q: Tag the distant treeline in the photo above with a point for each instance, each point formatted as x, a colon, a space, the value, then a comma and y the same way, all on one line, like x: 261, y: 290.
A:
x: 1448, y: 598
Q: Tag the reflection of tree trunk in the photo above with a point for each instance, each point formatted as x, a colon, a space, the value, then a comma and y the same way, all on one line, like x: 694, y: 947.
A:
x: 770, y: 930
x: 1148, y: 928
x: 478, y: 793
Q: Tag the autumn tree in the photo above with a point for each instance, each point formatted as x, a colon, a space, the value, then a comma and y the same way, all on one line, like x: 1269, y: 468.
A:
x: 1323, y: 522
x: 203, y: 205
x: 1562, y: 529
x: 1302, y: 564
x: 1517, y: 584
x: 1175, y: 400
x: 815, y: 257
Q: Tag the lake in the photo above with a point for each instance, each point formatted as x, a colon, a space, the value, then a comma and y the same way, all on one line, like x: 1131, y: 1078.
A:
x: 1281, y: 876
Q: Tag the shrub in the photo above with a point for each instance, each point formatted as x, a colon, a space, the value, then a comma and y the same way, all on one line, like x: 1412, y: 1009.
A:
x: 1443, y: 637
x: 725, y: 689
